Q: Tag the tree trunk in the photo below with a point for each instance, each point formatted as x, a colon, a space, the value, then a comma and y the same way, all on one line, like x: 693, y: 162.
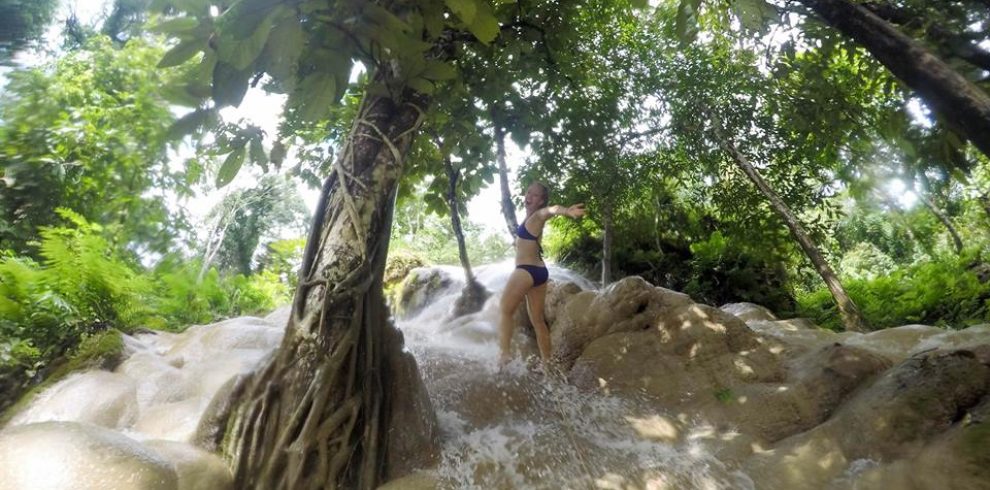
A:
x: 956, y: 239
x: 455, y: 218
x: 851, y: 316
x: 317, y: 415
x: 473, y: 296
x: 608, y: 230
x: 508, y: 210
x: 962, y: 104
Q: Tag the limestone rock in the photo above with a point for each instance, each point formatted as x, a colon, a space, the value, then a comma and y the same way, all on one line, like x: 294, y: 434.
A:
x: 196, y: 469
x: 413, y: 434
x: 701, y: 360
x: 60, y: 455
x: 628, y: 305
x: 419, y: 289
x: 906, y: 408
x: 558, y: 294
x: 96, y: 397
x: 749, y: 312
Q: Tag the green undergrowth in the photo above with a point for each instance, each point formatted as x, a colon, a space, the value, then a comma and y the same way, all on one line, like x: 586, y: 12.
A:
x: 944, y: 292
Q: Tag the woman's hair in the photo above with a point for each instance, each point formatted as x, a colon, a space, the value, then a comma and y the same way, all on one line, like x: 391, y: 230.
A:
x: 546, y: 192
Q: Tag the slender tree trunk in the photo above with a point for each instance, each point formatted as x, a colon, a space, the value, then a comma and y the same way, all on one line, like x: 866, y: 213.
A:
x: 474, y: 294
x: 608, y: 216
x: 956, y: 239
x: 962, y: 104
x: 319, y: 414
x: 455, y: 219
x: 851, y: 316
x: 508, y: 210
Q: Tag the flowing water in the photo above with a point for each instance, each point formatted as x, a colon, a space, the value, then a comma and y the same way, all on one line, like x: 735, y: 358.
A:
x: 521, y: 429
x: 136, y: 427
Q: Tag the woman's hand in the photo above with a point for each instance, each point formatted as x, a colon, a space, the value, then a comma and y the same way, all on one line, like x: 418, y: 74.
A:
x: 575, y: 211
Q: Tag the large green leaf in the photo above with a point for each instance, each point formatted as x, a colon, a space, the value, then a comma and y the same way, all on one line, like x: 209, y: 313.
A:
x: 484, y: 26
x: 176, y: 26
x: 315, y: 95
x: 231, y: 165
x: 243, y: 19
x: 229, y: 84
x: 754, y: 15
x: 463, y: 9
x: 257, y: 152
x: 241, y: 52
x: 438, y: 70
x: 181, y: 53
x: 188, y: 123
x: 422, y: 85
x: 285, y: 44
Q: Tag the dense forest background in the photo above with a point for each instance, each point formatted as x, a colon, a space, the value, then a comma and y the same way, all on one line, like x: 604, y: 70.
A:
x: 106, y: 142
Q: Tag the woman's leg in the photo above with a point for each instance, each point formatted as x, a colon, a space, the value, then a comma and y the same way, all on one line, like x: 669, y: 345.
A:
x: 535, y: 301
x: 515, y: 290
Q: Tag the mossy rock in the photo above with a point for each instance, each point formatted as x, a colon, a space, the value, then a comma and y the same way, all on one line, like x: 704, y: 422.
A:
x: 101, y: 350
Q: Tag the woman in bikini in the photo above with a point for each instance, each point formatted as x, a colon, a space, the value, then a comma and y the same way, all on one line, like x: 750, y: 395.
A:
x: 529, y: 279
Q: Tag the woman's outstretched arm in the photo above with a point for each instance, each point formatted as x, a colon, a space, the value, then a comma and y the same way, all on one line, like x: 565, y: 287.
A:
x: 574, y: 211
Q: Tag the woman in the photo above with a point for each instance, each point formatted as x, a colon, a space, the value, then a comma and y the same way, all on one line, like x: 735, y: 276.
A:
x: 529, y: 279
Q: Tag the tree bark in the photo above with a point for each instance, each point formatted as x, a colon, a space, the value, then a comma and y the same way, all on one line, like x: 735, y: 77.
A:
x: 317, y: 414
x: 962, y: 104
x: 608, y: 216
x: 473, y: 296
x: 851, y: 316
x: 508, y: 210
x: 455, y: 218
x: 937, y: 211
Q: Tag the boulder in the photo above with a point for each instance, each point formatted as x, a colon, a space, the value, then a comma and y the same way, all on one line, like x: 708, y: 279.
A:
x: 701, y: 360
x: 420, y: 288
x: 60, y: 455
x: 558, y: 294
x: 749, y: 312
x: 894, y: 418
x: 413, y: 433
x: 628, y: 305
x: 95, y: 397
x: 196, y: 469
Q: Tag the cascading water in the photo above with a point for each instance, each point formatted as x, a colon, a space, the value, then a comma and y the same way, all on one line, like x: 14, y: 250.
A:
x: 521, y: 429
x: 796, y: 406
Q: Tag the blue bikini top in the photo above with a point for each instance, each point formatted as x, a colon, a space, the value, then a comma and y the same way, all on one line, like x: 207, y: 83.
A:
x: 523, y: 233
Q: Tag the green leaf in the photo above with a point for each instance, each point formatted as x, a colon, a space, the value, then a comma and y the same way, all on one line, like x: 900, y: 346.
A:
x: 463, y: 9
x: 177, y: 25
x: 438, y: 70
x: 188, y: 123
x: 485, y: 26
x: 258, y: 155
x: 422, y: 85
x: 181, y: 53
x: 240, y: 52
x: 244, y: 18
x: 754, y: 15
x: 315, y: 95
x: 231, y: 165
x: 285, y: 44
x: 229, y: 84
x: 384, y: 18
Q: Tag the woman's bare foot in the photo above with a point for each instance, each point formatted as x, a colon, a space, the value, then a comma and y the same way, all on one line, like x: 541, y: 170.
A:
x: 503, y: 360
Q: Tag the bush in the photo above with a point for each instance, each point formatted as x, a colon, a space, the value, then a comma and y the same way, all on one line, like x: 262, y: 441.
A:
x: 944, y: 292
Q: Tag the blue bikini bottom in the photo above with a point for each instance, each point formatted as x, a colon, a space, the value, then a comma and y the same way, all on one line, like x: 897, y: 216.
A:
x: 540, y: 274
